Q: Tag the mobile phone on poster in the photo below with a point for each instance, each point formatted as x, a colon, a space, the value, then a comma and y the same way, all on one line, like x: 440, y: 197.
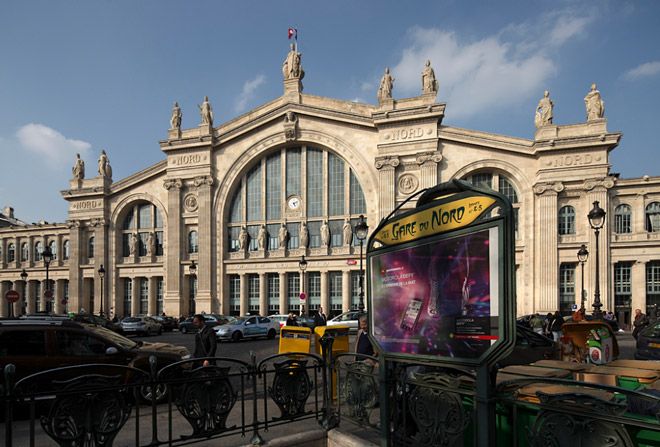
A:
x: 411, y: 315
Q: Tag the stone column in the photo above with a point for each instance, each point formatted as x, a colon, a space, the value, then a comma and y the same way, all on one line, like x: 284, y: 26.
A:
x: 205, y: 241
x: 172, y: 300
x: 547, y: 298
x: 153, y: 285
x: 638, y: 284
x: 135, y: 296
x: 284, y: 293
x: 59, y: 296
x: 44, y: 300
x: 263, y: 294
x: 31, y: 300
x: 428, y: 166
x: 4, y: 308
x: 386, y: 175
x: 346, y: 290
x: 244, y: 293
x: 325, y: 292
x: 75, y: 280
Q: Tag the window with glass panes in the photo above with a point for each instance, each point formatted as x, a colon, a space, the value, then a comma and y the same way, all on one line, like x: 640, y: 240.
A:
x: 653, y: 217
x: 65, y: 295
x: 622, y: 284
x: 90, y: 247
x: 160, y: 288
x: 273, y: 293
x: 142, y: 219
x: 254, y: 194
x: 11, y: 253
x: 314, y: 229
x: 566, y: 287
x: 501, y: 183
x: 293, y: 291
x: 336, y: 233
x: 90, y: 287
x: 128, y: 296
x: 314, y: 182
x: 622, y: 219
x: 567, y: 220
x: 335, y: 185
x: 193, y: 245
x: 53, y: 249
x: 253, y: 232
x: 234, y: 295
x: 313, y: 280
x: 653, y: 283
x: 253, y: 293
x: 144, y: 296
x: 66, y: 250
x: 335, y: 280
x: 273, y: 186
x: 294, y: 235
x: 37, y: 298
x: 192, y: 284
x: 38, y: 250
x: 25, y: 252
x: 355, y: 290
x: 273, y: 231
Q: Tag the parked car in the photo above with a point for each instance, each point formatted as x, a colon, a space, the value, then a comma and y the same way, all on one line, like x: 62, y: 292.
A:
x: 98, y: 320
x: 168, y: 323
x: 38, y: 345
x: 209, y: 320
x: 281, y: 319
x: 530, y: 347
x: 247, y: 327
x: 141, y: 325
x: 350, y: 319
x: 648, y: 343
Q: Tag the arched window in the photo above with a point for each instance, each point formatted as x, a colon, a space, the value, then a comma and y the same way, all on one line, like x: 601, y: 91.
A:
x: 193, y: 247
x: 653, y: 217
x: 142, y: 220
x: 293, y: 186
x: 53, y: 249
x: 90, y: 247
x: 25, y: 252
x: 498, y: 182
x: 66, y: 250
x: 567, y: 220
x: 11, y: 253
x: 622, y: 219
x: 38, y: 249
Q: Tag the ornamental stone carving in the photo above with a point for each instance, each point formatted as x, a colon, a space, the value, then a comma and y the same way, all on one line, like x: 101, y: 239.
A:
x: 607, y: 183
x: 408, y: 183
x: 205, y: 180
x: 290, y: 126
x: 175, y: 120
x: 190, y: 203
x: 97, y: 222
x: 541, y: 188
x: 594, y: 104
x: 73, y: 223
x: 429, y: 83
x: 292, y: 66
x: 387, y: 162
x: 543, y: 115
x: 386, y: 85
x: 175, y: 183
x: 434, y: 157
x: 78, y: 169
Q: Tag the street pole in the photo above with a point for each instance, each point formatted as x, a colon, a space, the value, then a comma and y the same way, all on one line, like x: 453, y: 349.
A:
x: 596, y: 221
x: 101, y: 275
x: 47, y: 256
x: 361, y: 303
x: 582, y: 256
x: 24, y: 276
x: 304, y: 309
x: 361, y: 231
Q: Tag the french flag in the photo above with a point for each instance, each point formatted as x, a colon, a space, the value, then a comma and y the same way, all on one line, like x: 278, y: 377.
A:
x: 293, y: 33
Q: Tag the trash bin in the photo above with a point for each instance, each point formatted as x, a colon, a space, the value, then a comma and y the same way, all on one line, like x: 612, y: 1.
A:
x: 340, y: 334
x: 295, y: 339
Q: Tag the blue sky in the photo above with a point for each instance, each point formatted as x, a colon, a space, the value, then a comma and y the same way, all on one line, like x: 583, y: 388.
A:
x: 81, y: 76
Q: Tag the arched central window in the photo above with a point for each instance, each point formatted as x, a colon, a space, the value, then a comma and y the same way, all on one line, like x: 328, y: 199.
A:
x: 296, y: 187
x: 498, y: 182
x: 142, y: 231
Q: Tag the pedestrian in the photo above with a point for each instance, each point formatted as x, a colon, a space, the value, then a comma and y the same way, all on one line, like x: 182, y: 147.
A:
x: 578, y: 315
x: 536, y: 323
x: 205, y: 341
x: 546, y: 328
x: 640, y: 322
x: 362, y: 343
x: 320, y: 318
x: 291, y: 321
x: 555, y: 326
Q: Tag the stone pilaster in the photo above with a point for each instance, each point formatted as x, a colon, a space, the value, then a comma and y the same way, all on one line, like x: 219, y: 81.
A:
x: 638, y: 284
x: 263, y: 294
x: 31, y: 299
x: 205, y: 235
x: 44, y: 300
x: 386, y: 175
x: 547, y: 265
x: 284, y: 293
x: 75, y: 280
x: 59, y: 296
x: 346, y: 290
x: 100, y: 228
x: 4, y: 308
x: 325, y: 292
x: 153, y: 286
x: 135, y: 296
x: 428, y: 166
x: 244, y: 293
x: 173, y: 292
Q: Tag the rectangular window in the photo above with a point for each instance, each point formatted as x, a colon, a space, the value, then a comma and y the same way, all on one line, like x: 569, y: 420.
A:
x: 144, y: 216
x: 313, y: 280
x: 652, y: 284
x: 193, y: 294
x: 125, y: 244
x: 336, y: 233
x: 335, y: 280
x: 253, y: 293
x: 129, y: 221
x: 65, y: 295
x: 144, y: 241
x: 234, y: 233
x: 37, y: 297
x: 294, y: 235
x: 335, y: 185
x: 484, y: 180
x: 273, y: 236
x: 314, y: 183
x: 293, y: 291
x: 355, y: 290
x: 159, y: 243
x: 128, y: 296
x: 273, y: 187
x: 254, y: 194
x: 314, y: 229
x: 358, y: 204
x: 237, y: 207
x: 253, y: 232
x: 566, y: 287
x: 622, y: 223
x: 234, y: 295
x: 160, y: 287
x: 273, y: 293
x: 622, y: 284
x: 159, y: 218
x: 293, y: 168
x: 144, y: 296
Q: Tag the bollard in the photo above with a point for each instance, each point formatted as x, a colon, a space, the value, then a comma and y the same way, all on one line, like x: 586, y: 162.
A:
x: 256, y: 437
x: 330, y: 418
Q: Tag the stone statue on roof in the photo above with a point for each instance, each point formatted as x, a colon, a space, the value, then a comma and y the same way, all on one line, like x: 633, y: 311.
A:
x: 292, y: 66
x: 429, y: 83
x: 594, y: 104
x: 386, y: 85
x: 543, y: 115
x: 206, y: 112
x: 78, y: 168
x: 175, y: 120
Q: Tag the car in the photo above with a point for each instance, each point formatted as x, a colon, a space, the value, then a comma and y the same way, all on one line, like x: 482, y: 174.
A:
x: 648, y: 342
x: 168, y: 323
x: 350, y: 319
x: 247, y: 327
x: 530, y: 347
x: 209, y: 319
x: 281, y: 319
x: 38, y: 345
x: 98, y: 320
x: 141, y: 325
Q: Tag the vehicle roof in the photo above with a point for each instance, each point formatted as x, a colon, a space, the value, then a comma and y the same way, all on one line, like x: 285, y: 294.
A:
x: 41, y: 323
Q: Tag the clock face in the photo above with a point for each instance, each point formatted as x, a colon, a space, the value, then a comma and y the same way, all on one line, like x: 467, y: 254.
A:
x: 294, y: 202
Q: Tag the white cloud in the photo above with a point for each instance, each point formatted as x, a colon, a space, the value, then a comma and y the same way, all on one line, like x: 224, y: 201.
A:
x: 493, y: 72
x: 248, y: 92
x: 43, y: 140
x: 643, y: 70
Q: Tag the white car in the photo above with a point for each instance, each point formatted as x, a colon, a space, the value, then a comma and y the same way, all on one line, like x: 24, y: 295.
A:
x: 247, y: 327
x: 350, y: 319
x: 141, y: 325
x: 281, y: 319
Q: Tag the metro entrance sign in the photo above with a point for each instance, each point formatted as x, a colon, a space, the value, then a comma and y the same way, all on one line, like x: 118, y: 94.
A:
x: 12, y: 296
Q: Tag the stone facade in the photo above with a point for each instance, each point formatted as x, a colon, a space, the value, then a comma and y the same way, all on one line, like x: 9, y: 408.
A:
x: 180, y: 211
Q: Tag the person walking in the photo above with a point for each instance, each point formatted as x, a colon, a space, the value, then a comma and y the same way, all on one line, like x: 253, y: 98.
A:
x: 291, y: 321
x: 320, y: 319
x: 205, y: 341
x: 639, y: 323
x: 536, y: 323
x: 546, y: 325
x: 555, y: 326
x: 362, y: 343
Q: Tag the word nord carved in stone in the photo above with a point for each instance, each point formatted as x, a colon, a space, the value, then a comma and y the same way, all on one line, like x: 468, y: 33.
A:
x: 573, y: 160
x: 407, y: 134
x: 187, y: 159
x: 86, y: 205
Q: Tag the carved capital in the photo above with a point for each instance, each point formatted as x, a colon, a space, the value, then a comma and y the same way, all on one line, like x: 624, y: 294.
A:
x: 607, y: 183
x: 72, y: 223
x: 175, y: 183
x: 98, y: 222
x: 387, y: 162
x: 541, y: 188
x: 434, y: 157
x: 203, y: 180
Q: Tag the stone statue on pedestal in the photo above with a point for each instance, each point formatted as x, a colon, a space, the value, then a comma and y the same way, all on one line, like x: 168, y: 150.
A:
x: 206, y: 112
x: 348, y: 232
x: 543, y: 115
x: 429, y: 83
x: 132, y: 243
x: 325, y: 234
x: 261, y: 237
x: 292, y: 66
x: 386, y: 85
x: 104, y: 168
x: 175, y: 120
x: 594, y: 104
x: 304, y: 235
x: 151, y: 245
x: 243, y: 238
x: 283, y: 236
x: 79, y: 168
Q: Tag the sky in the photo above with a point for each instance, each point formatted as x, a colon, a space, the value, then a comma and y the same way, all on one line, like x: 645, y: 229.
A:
x: 82, y: 76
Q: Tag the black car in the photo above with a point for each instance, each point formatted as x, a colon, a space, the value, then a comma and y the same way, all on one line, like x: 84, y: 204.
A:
x: 530, y: 347
x: 168, y: 323
x: 648, y: 343
x: 98, y: 320
x: 209, y: 319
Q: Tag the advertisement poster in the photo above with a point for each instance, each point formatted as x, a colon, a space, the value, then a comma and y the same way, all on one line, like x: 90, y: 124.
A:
x: 439, y: 298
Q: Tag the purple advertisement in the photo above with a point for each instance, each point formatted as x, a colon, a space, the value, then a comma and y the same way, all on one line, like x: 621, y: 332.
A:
x: 439, y: 298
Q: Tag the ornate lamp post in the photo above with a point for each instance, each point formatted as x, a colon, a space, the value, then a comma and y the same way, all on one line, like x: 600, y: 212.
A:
x: 596, y: 221
x: 192, y: 268
x: 101, y: 275
x: 24, y: 276
x: 361, y: 230
x: 582, y: 256
x: 303, y: 266
x: 47, y: 256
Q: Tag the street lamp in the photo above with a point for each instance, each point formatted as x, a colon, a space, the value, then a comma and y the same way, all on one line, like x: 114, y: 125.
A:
x: 303, y: 266
x: 192, y: 268
x: 361, y: 230
x: 596, y: 221
x: 47, y: 256
x: 582, y: 256
x: 24, y: 276
x: 101, y: 275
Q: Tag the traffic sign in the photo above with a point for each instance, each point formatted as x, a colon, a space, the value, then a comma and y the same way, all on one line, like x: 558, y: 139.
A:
x: 12, y: 296
x: 302, y: 296
x: 48, y: 294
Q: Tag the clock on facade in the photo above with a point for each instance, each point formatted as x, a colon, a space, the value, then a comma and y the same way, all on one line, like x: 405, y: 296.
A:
x: 293, y: 202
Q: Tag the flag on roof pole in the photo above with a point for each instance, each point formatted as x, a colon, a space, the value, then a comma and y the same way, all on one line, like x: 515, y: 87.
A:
x: 293, y: 33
